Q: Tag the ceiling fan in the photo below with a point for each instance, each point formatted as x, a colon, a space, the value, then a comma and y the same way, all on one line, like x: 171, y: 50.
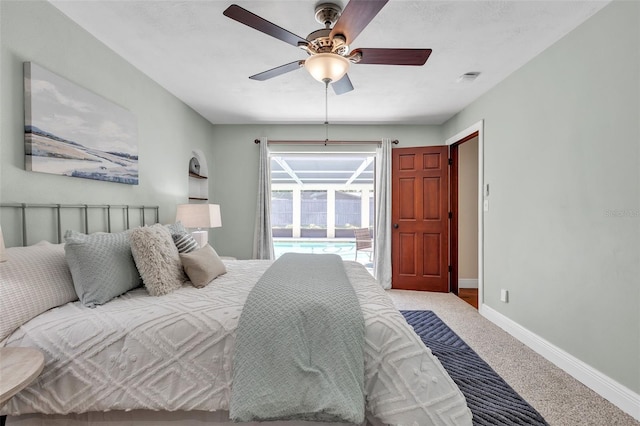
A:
x: 328, y: 48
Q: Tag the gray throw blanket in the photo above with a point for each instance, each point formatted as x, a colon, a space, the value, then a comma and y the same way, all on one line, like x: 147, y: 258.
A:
x: 299, y: 345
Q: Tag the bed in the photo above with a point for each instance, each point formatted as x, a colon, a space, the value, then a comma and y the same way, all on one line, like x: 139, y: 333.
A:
x: 169, y: 357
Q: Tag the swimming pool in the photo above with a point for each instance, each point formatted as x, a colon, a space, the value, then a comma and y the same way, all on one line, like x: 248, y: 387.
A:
x: 344, y: 249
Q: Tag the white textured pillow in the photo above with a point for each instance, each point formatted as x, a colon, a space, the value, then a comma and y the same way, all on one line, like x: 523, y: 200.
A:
x: 202, y: 265
x: 33, y: 280
x: 157, y: 259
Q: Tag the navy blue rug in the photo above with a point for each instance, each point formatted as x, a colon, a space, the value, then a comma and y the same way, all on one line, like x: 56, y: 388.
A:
x: 491, y: 400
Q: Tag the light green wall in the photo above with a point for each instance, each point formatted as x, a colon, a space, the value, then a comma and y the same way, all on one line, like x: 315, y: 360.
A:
x: 167, y: 129
x: 234, y: 169
x: 561, y: 156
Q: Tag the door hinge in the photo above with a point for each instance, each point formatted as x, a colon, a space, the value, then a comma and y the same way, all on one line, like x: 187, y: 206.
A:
x: 450, y: 215
x: 450, y: 161
x: 450, y: 268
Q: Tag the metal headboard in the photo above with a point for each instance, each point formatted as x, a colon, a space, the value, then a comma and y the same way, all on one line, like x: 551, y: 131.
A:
x: 82, y: 217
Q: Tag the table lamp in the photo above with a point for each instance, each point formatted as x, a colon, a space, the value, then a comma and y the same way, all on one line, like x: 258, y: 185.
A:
x: 199, y: 216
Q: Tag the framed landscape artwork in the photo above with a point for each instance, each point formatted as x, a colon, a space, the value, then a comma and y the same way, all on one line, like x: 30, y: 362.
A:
x: 71, y: 131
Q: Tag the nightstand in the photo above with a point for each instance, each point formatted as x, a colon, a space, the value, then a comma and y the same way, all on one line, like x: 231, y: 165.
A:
x: 18, y: 368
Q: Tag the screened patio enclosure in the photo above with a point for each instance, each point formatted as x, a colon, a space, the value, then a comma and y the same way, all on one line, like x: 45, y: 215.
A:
x: 321, y: 196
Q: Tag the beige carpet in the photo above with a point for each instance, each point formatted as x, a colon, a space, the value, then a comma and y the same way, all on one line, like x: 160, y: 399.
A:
x: 561, y: 399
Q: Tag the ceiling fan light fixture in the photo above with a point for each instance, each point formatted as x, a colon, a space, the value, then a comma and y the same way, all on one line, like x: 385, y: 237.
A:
x: 327, y: 67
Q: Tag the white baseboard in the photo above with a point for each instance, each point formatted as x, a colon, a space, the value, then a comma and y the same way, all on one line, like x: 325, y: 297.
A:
x: 467, y: 283
x: 621, y: 396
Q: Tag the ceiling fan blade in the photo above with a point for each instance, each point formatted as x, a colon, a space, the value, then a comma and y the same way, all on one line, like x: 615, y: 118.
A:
x: 274, y: 72
x: 254, y: 21
x: 343, y: 85
x: 355, y: 17
x: 393, y: 56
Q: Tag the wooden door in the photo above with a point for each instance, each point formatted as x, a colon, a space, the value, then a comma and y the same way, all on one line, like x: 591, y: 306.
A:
x: 420, y: 218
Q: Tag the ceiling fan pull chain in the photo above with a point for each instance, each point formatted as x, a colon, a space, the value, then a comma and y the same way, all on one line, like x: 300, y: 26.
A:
x: 326, y: 111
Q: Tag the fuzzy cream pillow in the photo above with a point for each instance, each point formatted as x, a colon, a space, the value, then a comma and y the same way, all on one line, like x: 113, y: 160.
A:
x: 157, y: 259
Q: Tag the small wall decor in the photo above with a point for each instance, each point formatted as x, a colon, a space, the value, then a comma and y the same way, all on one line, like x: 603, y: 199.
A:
x: 198, y: 177
x: 194, y: 166
x: 73, y: 132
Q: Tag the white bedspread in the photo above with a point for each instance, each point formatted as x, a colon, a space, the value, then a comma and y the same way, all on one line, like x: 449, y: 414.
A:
x: 174, y: 353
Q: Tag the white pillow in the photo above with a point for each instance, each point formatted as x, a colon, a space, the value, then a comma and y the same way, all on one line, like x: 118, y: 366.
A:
x: 157, y: 259
x: 33, y: 280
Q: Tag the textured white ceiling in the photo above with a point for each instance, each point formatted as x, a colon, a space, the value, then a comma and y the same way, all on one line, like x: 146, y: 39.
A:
x: 205, y: 58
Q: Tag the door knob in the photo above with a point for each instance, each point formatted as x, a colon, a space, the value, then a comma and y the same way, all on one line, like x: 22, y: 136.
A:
x: 395, y: 225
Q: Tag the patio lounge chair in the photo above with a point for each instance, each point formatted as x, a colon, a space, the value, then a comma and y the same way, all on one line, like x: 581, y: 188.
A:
x: 364, y: 241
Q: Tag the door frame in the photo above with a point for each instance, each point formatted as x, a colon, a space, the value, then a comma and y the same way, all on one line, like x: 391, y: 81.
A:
x: 456, y: 139
x: 453, y: 209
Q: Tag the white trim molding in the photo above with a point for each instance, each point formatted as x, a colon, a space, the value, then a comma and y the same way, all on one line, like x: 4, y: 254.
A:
x: 468, y: 283
x: 618, y: 394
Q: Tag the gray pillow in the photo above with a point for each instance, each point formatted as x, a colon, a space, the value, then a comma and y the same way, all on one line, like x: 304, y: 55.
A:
x: 185, y: 243
x: 157, y: 259
x: 101, y: 265
x: 176, y: 228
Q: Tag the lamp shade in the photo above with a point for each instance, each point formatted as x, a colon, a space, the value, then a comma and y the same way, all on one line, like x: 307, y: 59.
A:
x: 199, y: 215
x: 327, y: 66
x: 3, y: 255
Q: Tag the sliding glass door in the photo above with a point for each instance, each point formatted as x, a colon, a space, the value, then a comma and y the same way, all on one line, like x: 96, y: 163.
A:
x: 321, y: 199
